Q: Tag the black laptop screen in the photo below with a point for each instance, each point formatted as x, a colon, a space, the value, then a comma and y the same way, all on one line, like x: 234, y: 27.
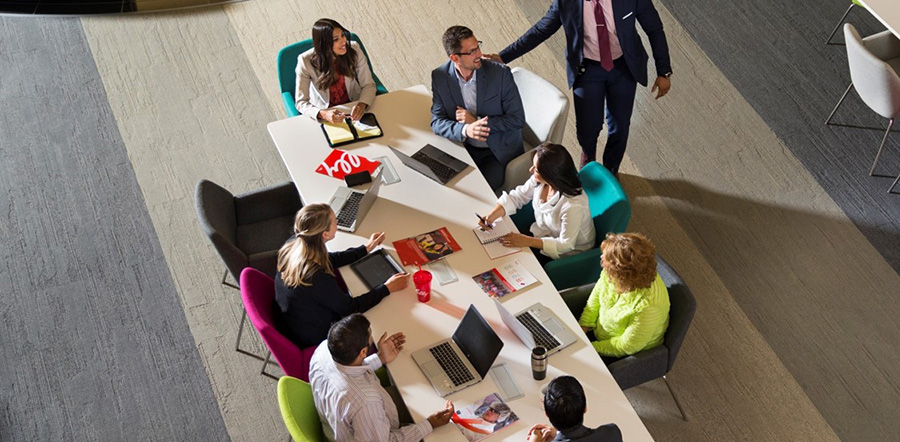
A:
x: 477, y: 340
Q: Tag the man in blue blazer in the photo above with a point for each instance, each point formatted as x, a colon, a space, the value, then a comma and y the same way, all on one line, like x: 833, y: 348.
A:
x: 604, y: 60
x: 475, y: 101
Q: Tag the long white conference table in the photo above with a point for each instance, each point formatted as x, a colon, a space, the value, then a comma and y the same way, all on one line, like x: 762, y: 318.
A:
x: 417, y: 205
x: 887, y: 12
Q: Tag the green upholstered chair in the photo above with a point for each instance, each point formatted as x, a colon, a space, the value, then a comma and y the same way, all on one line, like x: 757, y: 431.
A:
x: 287, y: 71
x: 611, y: 212
x: 298, y: 410
x: 843, y: 17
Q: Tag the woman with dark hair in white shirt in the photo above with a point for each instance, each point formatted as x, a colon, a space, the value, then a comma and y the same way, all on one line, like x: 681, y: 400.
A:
x: 563, y: 224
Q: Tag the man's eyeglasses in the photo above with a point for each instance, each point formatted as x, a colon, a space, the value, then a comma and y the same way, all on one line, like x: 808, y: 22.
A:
x: 477, y: 48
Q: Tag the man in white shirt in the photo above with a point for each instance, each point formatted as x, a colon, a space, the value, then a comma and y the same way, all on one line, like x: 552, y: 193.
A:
x: 348, y: 394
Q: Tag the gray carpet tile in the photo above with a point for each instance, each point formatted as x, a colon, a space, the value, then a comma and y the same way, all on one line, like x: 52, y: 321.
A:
x: 94, y: 339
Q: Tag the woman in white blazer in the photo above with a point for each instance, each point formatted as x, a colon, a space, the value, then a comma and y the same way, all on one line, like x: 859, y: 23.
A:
x: 335, y: 71
x: 563, y: 224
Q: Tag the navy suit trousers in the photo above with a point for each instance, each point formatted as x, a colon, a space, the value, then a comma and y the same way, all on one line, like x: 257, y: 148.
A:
x: 596, y: 91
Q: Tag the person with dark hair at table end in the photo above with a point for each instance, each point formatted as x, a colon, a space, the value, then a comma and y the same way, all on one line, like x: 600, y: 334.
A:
x: 334, y: 72
x: 605, y: 60
x: 309, y: 292
x: 348, y: 395
x: 562, y: 216
x: 565, y: 405
x: 475, y: 101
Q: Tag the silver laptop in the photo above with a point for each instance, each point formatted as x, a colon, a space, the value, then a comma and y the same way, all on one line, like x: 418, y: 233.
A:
x: 433, y: 163
x: 464, y: 359
x: 350, y: 205
x: 538, y: 325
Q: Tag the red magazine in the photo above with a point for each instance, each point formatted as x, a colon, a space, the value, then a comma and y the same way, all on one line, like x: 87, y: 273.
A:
x: 339, y: 164
x: 427, y: 247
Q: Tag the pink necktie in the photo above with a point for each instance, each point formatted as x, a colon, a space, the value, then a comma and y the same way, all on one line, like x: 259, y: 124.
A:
x: 602, y: 37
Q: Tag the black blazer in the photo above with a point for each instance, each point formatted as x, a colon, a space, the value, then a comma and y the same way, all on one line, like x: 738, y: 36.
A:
x: 568, y: 14
x: 603, y: 433
x: 307, y: 312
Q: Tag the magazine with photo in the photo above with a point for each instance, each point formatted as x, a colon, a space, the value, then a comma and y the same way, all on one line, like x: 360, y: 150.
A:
x: 509, y: 278
x: 427, y: 247
x: 484, y: 418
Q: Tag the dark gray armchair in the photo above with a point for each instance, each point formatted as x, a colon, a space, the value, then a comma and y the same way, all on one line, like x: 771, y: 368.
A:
x: 656, y: 362
x: 248, y: 229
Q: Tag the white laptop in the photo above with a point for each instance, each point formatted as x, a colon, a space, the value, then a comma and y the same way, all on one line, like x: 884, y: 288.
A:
x: 464, y: 359
x: 350, y: 205
x: 538, y: 325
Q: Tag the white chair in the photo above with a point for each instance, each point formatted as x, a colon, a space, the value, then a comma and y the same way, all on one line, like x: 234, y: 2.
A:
x: 874, y: 63
x: 546, y: 110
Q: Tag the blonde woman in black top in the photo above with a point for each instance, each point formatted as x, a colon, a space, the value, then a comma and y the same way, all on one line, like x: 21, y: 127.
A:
x: 309, y: 291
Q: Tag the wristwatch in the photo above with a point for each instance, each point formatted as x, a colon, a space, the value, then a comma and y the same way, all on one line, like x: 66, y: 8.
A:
x: 668, y: 74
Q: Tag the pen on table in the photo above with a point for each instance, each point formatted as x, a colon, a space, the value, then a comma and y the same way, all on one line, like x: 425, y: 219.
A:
x: 483, y: 221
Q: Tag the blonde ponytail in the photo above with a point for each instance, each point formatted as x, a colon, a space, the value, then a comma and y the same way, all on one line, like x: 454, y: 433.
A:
x: 301, y: 257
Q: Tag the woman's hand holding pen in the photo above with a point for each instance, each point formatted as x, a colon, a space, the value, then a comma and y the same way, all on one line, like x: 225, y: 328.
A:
x: 374, y: 241
x: 487, y: 222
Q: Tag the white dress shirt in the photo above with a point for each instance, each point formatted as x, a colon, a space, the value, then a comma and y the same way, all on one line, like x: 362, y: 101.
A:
x: 352, y: 403
x: 468, y: 89
x: 563, y: 223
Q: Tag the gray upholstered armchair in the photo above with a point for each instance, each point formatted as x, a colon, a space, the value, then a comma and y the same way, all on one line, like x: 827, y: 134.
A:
x: 656, y: 362
x: 248, y: 229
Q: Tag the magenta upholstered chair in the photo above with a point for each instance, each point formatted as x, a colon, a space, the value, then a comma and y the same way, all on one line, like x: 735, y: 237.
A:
x: 258, y: 294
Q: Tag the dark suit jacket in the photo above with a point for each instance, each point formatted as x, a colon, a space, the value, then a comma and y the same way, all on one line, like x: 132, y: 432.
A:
x: 497, y: 97
x: 568, y: 14
x: 603, y: 433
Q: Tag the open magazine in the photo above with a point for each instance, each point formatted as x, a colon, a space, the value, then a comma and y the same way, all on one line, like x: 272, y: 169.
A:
x: 508, y: 278
x: 427, y: 247
x: 484, y: 418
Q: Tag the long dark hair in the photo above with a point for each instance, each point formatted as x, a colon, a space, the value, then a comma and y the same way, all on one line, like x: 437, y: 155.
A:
x: 324, y: 60
x: 558, y: 169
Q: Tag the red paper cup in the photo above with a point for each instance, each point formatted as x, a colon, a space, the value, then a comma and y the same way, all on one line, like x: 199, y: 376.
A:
x: 422, y: 280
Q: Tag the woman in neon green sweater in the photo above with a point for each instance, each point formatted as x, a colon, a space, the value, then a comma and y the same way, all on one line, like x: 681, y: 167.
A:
x: 628, y: 310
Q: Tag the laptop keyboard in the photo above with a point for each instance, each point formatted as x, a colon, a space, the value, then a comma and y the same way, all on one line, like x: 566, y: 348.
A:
x: 348, y: 211
x: 443, y: 171
x: 451, y: 364
x: 541, y: 336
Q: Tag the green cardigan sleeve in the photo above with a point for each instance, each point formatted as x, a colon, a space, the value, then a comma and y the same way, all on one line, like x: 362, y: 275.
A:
x: 592, y: 308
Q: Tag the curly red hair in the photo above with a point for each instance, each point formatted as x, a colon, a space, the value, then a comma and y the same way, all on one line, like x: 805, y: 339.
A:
x: 629, y: 260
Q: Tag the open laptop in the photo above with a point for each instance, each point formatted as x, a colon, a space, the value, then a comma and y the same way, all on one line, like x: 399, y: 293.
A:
x: 350, y: 205
x: 463, y: 360
x: 538, y: 325
x: 433, y: 163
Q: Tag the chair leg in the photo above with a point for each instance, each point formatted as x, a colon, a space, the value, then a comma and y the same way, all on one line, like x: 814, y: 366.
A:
x: 844, y: 17
x: 830, y: 116
x: 891, y: 190
x: 677, y: 404
x: 881, y: 148
x: 266, y: 364
x: 237, y: 343
x: 226, y: 283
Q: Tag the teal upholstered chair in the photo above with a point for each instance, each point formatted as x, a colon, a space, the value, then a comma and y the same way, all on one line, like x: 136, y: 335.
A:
x: 611, y: 212
x: 843, y: 17
x: 298, y: 410
x: 287, y: 72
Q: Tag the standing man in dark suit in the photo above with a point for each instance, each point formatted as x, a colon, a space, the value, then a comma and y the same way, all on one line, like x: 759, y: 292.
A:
x: 605, y: 60
x: 565, y: 405
x: 476, y: 102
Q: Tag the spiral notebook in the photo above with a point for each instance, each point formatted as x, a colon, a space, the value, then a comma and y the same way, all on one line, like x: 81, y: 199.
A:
x: 489, y: 238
